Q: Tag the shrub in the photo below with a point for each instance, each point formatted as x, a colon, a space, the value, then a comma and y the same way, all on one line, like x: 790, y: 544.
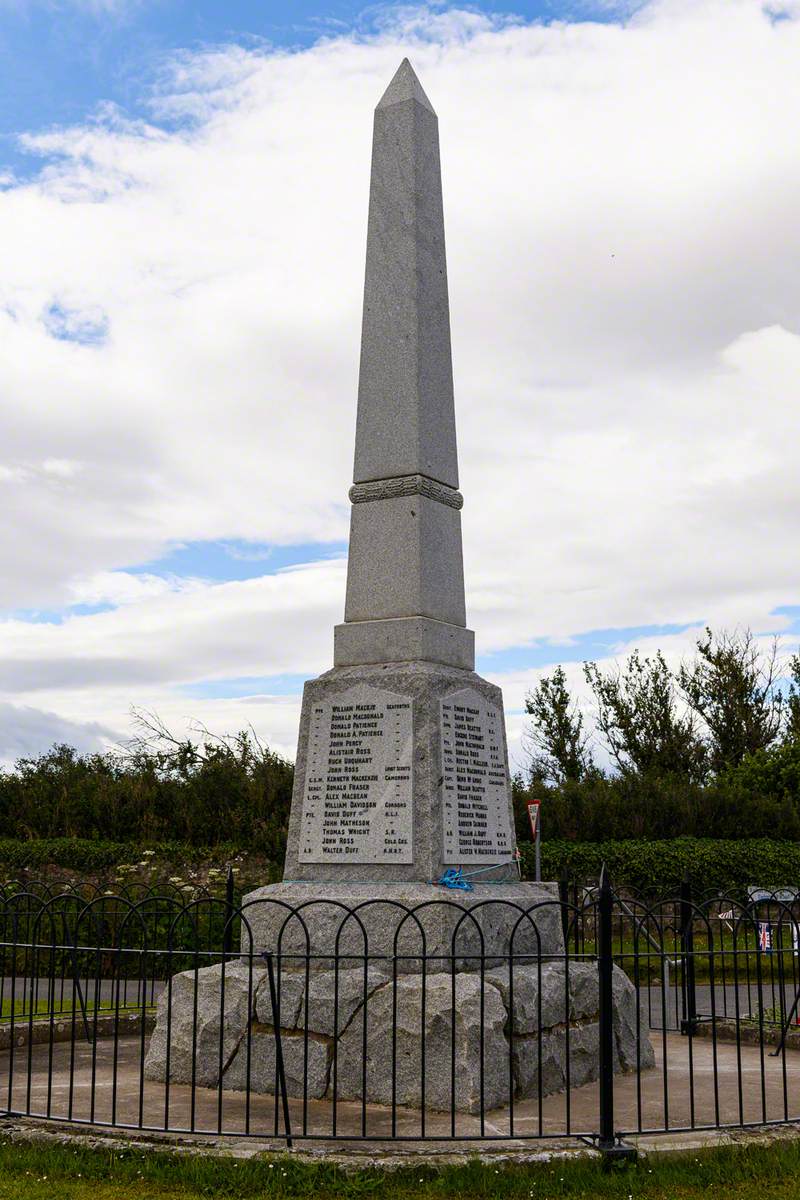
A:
x: 231, y: 790
x: 711, y: 864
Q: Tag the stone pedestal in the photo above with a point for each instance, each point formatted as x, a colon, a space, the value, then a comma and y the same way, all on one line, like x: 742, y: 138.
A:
x: 401, y: 772
x: 403, y: 923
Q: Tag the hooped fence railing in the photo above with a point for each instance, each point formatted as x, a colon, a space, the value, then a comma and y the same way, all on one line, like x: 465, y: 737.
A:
x: 591, y: 1015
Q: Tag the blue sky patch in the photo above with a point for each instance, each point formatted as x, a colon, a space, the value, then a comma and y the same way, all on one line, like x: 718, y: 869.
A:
x: 54, y: 616
x: 245, y: 685
x: 594, y: 644
x: 75, y: 325
x: 58, y: 62
x: 236, y: 559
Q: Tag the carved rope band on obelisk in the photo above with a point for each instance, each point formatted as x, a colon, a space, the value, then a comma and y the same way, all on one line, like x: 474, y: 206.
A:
x: 402, y: 767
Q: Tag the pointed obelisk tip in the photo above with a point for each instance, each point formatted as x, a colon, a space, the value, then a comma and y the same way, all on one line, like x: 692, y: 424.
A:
x: 404, y: 86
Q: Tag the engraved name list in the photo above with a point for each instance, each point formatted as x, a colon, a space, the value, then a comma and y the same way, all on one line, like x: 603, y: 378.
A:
x: 475, y: 793
x: 357, y: 801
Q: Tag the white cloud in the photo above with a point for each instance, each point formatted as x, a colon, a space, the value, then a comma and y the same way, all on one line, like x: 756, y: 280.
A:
x: 625, y: 288
x: 25, y: 732
x: 123, y: 587
x: 276, y: 624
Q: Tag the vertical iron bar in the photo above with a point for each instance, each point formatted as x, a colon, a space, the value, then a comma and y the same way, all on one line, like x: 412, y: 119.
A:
x: 563, y: 898
x: 276, y: 1025
x: 605, y: 966
x: 688, y: 989
x: 227, y: 937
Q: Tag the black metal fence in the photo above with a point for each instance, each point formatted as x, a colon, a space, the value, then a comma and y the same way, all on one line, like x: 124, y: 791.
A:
x: 592, y: 1015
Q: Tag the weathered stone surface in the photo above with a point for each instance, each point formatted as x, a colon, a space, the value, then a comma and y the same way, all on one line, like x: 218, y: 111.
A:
x: 353, y: 987
x: 405, y: 561
x: 406, y: 418
x: 581, y: 1048
x: 305, y: 1064
x: 583, y: 1042
x: 579, y: 1045
x: 559, y: 1003
x: 632, y: 1049
x: 290, y: 987
x: 545, y: 1032
x: 540, y: 996
x: 584, y: 990
x: 381, y: 922
x: 404, y: 640
x: 405, y: 577
x: 323, y: 990
x: 401, y: 1078
x: 535, y: 1056
x: 198, y: 1039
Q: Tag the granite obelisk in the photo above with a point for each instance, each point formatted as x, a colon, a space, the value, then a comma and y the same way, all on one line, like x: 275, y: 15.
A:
x: 405, y: 578
x: 402, y: 766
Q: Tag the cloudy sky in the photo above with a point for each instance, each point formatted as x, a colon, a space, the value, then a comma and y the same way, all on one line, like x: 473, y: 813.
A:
x: 183, y: 192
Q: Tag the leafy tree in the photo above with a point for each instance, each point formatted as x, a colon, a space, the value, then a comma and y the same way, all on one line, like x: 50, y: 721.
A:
x: 214, y: 789
x: 639, y: 718
x: 792, y: 732
x: 560, y: 747
x: 732, y: 686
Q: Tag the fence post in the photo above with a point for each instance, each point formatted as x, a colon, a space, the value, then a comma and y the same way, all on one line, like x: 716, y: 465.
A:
x: 227, y: 937
x: 563, y: 899
x: 608, y: 1142
x: 276, y: 1025
x: 688, y: 990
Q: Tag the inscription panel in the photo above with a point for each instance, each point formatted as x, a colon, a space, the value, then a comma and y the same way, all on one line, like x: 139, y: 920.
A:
x: 357, y: 802
x: 475, y: 789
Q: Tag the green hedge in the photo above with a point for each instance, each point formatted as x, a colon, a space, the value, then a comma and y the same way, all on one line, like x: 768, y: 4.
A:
x: 660, y: 865
x: 81, y: 855
x: 230, y: 789
x: 646, y: 865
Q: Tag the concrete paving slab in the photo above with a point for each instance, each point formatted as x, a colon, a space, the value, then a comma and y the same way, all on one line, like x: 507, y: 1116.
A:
x: 694, y: 1085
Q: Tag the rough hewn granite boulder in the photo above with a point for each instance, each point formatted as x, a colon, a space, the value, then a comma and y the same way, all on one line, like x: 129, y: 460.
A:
x: 306, y: 1063
x: 545, y: 1006
x: 198, y: 1044
x: 473, y: 1072
x: 332, y: 1001
x: 560, y: 1001
x: 551, y: 1040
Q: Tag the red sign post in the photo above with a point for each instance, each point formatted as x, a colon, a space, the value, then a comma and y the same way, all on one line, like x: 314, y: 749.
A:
x: 533, y: 817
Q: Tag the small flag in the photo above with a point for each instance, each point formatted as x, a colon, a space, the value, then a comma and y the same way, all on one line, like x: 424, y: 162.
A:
x: 765, y: 937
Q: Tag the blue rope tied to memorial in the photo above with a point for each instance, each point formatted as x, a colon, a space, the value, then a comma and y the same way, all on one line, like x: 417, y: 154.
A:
x: 459, y: 880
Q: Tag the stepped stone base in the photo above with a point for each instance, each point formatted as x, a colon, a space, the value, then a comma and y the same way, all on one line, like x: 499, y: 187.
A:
x: 405, y: 919
x: 471, y: 1035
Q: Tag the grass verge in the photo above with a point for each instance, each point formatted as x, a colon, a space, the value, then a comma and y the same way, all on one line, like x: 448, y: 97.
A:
x: 35, y: 1171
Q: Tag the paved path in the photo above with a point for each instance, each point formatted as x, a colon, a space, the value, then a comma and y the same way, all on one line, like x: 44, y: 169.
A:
x: 698, y: 1088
